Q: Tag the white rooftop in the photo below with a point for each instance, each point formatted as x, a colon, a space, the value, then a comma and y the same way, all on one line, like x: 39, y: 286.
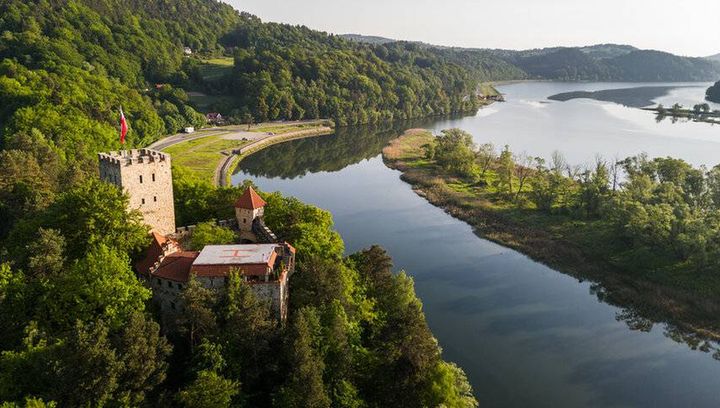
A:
x: 235, y: 254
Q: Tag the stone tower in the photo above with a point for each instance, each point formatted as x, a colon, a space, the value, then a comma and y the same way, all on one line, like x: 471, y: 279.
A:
x: 249, y: 208
x: 145, y: 175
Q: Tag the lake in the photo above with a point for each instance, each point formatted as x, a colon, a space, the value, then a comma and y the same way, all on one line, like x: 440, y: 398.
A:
x: 526, y: 335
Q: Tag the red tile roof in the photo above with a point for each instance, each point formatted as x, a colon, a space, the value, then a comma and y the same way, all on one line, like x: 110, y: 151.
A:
x: 250, y: 200
x: 176, y: 266
x: 152, y: 253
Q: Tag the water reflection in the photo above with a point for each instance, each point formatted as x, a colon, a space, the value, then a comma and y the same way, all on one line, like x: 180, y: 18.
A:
x: 525, y: 334
x: 349, y: 145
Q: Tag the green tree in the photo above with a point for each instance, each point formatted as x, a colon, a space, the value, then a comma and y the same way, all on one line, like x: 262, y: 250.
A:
x: 196, y: 318
x: 100, y: 285
x: 485, y: 157
x: 208, y: 390
x: 713, y: 93
x: 506, y: 169
x: 304, y: 387
x: 250, y: 337
x: 455, y: 152
x: 308, y: 228
x: 89, y: 215
x: 209, y: 233
x: 143, y: 352
x: 46, y: 254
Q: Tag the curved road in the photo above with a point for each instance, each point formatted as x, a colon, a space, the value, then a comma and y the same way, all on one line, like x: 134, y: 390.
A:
x: 257, y: 140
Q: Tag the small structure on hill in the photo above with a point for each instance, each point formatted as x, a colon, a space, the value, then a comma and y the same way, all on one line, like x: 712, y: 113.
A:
x: 214, y: 118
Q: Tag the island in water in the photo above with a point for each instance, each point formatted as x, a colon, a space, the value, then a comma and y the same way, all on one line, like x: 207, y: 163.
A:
x: 637, y: 97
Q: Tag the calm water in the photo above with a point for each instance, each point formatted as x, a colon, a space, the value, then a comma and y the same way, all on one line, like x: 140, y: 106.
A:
x: 526, y: 335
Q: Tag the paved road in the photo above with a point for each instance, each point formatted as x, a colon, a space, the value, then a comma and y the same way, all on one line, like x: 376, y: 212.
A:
x: 228, y: 133
x: 226, y: 165
x: 256, y: 141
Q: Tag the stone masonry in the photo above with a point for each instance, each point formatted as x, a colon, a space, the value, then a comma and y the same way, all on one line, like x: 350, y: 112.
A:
x: 146, y: 176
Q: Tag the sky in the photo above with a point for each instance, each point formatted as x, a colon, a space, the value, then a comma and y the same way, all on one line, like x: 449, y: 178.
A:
x: 683, y: 28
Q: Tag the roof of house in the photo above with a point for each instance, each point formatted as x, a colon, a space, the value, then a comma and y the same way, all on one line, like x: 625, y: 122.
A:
x: 152, y: 253
x: 250, y: 200
x: 176, y: 266
x: 246, y: 254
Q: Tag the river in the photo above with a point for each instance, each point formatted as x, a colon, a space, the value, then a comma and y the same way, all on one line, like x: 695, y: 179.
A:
x: 526, y: 335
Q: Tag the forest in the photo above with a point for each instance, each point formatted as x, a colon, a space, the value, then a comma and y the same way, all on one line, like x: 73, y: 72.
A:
x: 79, y: 330
x: 602, y: 62
x: 713, y: 93
x: 287, y: 72
x: 78, y: 327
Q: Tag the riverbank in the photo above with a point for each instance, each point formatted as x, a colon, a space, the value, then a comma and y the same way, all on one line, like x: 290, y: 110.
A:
x: 211, y: 154
x: 584, y: 249
x: 225, y: 168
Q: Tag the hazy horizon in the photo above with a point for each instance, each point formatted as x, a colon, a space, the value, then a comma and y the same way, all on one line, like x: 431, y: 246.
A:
x: 528, y: 24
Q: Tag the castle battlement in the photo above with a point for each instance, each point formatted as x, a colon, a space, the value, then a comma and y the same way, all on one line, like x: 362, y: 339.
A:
x: 146, y: 176
x: 133, y: 156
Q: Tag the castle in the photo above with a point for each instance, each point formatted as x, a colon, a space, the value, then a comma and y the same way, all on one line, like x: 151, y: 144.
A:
x: 146, y: 176
x: 262, y: 261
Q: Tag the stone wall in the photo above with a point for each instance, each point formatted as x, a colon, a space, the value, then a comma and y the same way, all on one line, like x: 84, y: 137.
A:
x: 245, y: 217
x: 146, y: 176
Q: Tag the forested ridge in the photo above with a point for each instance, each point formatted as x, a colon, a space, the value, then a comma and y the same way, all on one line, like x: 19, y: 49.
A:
x: 602, y: 62
x: 78, y: 326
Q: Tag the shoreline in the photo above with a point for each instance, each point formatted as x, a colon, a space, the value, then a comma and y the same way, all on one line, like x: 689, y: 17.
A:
x: 248, y: 141
x: 229, y: 164
x: 687, y: 316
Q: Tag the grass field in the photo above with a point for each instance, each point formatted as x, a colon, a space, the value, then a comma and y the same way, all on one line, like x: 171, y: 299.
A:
x: 204, y: 103
x: 488, y: 89
x: 201, y: 156
x: 280, y: 128
x: 216, y: 68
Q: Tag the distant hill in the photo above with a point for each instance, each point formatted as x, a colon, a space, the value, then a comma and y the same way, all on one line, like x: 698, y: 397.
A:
x: 367, y: 39
x: 602, y: 62
x: 604, y: 51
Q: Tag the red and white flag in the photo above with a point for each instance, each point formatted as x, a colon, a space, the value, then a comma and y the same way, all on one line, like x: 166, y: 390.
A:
x: 123, y: 127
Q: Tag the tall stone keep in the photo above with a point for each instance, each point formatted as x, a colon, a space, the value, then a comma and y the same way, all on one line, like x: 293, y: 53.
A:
x: 145, y: 175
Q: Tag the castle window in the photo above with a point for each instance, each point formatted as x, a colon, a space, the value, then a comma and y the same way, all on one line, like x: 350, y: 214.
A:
x: 155, y: 199
x: 244, y: 220
x: 157, y: 280
x: 153, y: 176
x: 141, y: 179
x: 172, y: 305
x: 143, y: 201
x: 169, y: 284
x: 180, y: 286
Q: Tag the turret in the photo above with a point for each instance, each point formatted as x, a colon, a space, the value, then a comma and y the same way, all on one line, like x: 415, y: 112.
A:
x: 248, y: 207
